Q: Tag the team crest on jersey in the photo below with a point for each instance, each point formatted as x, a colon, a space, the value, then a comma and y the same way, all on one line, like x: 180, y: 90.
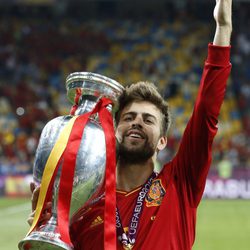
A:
x: 155, y: 194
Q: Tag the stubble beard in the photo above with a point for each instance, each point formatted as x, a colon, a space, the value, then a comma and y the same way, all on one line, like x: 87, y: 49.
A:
x: 134, y: 154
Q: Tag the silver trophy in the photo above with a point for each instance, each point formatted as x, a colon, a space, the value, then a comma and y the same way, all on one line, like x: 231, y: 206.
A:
x: 91, y: 157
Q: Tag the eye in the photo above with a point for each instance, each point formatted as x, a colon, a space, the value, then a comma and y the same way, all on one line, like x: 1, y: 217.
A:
x: 149, y: 121
x: 127, y: 118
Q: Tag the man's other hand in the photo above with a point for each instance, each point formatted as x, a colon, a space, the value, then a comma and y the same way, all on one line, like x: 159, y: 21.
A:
x: 35, y: 190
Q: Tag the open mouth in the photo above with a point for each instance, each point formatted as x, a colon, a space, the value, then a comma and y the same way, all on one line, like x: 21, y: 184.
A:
x: 135, y: 134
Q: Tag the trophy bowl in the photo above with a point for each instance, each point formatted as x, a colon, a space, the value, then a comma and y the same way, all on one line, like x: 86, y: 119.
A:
x: 91, y: 157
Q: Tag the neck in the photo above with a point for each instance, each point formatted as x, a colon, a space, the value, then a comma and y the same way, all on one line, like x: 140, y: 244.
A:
x: 131, y: 176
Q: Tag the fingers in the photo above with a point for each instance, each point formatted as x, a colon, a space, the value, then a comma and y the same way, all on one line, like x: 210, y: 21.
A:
x: 32, y: 186
x: 48, y: 206
x: 46, y: 215
x: 34, y: 197
x: 31, y: 218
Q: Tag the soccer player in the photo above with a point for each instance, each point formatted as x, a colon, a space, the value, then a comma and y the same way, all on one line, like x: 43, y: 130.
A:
x: 158, y: 211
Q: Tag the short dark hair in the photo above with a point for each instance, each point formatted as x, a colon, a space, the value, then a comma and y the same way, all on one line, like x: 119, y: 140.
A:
x: 145, y: 91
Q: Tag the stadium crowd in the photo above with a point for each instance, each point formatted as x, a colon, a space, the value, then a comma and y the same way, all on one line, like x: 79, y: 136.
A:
x: 36, y: 55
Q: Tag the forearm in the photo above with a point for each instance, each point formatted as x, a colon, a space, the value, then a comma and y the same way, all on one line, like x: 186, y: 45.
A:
x: 222, y: 36
x: 223, y: 19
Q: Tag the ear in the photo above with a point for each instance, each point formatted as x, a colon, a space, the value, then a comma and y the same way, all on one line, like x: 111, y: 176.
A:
x: 162, y: 143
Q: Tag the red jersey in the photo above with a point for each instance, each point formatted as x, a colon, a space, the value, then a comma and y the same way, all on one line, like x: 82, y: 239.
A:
x: 168, y: 217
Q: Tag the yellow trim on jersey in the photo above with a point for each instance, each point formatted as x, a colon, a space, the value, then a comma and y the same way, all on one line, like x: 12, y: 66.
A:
x: 128, y: 193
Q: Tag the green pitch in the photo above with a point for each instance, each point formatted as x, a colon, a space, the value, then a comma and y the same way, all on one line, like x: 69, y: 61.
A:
x: 221, y: 225
x: 13, y: 215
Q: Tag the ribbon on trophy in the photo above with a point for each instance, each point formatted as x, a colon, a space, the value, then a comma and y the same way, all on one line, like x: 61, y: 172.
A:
x: 65, y: 151
x: 76, y: 100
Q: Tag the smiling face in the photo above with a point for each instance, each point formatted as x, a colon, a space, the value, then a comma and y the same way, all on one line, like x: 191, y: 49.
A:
x: 139, y: 132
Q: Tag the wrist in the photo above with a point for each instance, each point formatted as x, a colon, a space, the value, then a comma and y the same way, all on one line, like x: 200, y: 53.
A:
x: 225, y: 28
x: 222, y: 36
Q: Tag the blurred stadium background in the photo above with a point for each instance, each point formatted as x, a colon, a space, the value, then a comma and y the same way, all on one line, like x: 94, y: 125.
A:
x: 163, y: 41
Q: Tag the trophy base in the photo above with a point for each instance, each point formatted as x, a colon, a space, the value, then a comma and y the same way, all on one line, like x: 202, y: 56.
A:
x: 36, y: 241
x: 41, y: 245
x: 44, y: 240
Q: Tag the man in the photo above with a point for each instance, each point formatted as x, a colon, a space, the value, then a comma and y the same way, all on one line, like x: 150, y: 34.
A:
x: 158, y: 211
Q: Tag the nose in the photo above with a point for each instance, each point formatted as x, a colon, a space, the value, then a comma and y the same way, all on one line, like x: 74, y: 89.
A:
x: 137, y: 122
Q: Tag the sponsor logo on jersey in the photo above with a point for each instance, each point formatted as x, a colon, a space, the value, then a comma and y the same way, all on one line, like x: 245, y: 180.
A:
x: 155, y: 194
x: 97, y: 221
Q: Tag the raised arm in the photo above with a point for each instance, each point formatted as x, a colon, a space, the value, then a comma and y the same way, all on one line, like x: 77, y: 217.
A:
x: 193, y: 159
x: 223, y: 19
